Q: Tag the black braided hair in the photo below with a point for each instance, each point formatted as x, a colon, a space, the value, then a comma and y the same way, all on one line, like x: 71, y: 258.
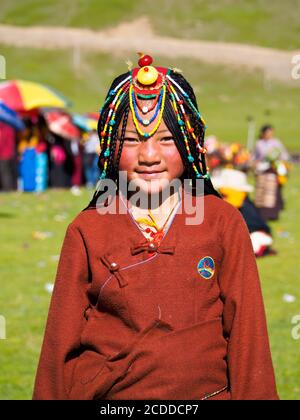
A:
x: 170, y: 120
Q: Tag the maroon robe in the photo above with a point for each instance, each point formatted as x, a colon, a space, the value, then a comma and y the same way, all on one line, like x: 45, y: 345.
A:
x: 127, y: 321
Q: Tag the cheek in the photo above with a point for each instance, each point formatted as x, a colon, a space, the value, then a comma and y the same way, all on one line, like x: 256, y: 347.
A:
x: 128, y: 158
x: 174, y: 162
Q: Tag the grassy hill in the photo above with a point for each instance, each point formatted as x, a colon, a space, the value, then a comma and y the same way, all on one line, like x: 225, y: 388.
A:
x: 271, y: 23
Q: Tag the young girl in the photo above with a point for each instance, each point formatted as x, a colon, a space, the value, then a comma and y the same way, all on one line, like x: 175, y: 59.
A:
x: 147, y: 303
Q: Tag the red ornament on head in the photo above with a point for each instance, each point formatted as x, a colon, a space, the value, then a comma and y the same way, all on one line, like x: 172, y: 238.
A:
x: 143, y: 75
x: 145, y: 60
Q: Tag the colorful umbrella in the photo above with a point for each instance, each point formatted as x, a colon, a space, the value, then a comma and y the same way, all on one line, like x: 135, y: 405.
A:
x: 60, y: 123
x: 10, y: 117
x: 21, y: 95
x: 84, y: 122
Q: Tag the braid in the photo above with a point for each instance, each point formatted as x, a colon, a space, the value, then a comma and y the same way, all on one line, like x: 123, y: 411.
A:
x: 169, y: 118
x: 124, y: 125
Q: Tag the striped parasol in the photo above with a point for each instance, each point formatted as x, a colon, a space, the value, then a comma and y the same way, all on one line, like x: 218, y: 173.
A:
x: 10, y: 117
x: 22, y: 95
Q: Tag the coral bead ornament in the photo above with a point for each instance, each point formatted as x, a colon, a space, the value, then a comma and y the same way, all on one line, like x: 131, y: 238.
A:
x: 145, y: 60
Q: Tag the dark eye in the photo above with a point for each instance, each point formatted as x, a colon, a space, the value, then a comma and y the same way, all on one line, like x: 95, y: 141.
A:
x: 131, y: 139
x: 169, y: 138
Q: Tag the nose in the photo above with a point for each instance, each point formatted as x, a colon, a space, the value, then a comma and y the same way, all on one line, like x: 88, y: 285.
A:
x: 149, y: 152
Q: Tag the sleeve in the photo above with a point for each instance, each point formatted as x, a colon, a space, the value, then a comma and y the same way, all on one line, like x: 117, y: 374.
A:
x: 284, y: 154
x: 256, y: 152
x: 250, y: 368
x: 65, y: 321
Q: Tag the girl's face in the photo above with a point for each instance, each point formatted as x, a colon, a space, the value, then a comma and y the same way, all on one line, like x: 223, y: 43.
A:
x: 150, y: 163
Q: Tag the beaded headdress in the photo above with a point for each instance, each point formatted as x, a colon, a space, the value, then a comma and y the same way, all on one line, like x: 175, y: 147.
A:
x: 154, y: 84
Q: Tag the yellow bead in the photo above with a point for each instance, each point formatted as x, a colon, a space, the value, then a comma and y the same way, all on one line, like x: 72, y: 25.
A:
x: 147, y: 75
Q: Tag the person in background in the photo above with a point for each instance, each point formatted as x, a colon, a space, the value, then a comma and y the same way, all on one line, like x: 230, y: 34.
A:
x: 90, y: 159
x: 235, y: 189
x: 76, y: 179
x: 267, y: 144
x: 28, y: 141
x: 41, y: 179
x: 8, y: 165
x: 270, y: 164
x: 61, y: 162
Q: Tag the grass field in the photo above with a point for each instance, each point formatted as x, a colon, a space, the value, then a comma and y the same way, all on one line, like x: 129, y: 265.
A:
x: 226, y: 97
x: 28, y: 264
x: 263, y: 22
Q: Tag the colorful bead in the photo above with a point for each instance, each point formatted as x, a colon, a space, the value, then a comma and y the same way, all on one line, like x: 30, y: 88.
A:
x: 134, y: 116
x: 146, y: 109
x: 175, y: 100
x: 146, y: 122
x: 141, y: 96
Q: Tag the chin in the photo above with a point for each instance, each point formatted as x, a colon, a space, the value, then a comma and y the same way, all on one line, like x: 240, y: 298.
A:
x: 151, y: 186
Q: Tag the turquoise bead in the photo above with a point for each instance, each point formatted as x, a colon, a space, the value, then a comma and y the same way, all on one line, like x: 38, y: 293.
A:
x: 106, y: 153
x: 112, y: 122
x: 190, y: 158
x: 146, y: 135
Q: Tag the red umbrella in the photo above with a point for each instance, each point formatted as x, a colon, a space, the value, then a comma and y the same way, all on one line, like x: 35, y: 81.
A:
x: 60, y: 123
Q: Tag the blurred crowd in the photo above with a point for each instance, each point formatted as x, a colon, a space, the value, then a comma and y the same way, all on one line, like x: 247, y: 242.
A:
x: 49, y: 151
x: 267, y: 166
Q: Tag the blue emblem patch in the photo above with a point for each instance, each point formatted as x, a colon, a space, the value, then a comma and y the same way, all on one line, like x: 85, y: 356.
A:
x: 206, y: 267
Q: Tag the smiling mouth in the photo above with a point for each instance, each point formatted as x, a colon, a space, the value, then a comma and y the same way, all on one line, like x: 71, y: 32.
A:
x: 149, y: 174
